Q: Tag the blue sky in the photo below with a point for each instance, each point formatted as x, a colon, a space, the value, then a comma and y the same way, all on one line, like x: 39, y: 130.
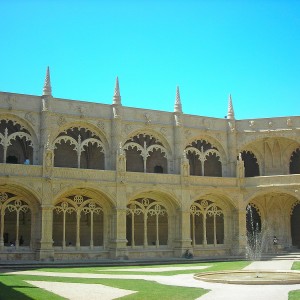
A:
x: 250, y: 49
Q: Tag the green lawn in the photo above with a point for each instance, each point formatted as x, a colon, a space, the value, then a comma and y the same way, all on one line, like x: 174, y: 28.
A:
x: 14, y: 286
x: 212, y: 266
x: 295, y: 295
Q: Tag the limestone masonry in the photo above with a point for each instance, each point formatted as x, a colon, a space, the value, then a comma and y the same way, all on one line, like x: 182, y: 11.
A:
x: 83, y: 180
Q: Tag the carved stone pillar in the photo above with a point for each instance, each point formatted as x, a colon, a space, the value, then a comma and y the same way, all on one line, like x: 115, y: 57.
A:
x: 121, y: 165
x: 240, y: 232
x: 230, y: 170
x: 185, y: 169
x: 45, y: 250
x: 1, y: 228
x: 45, y: 125
x: 183, y: 238
x: 116, y: 133
x: 118, y: 243
x: 48, y: 161
x: 178, y: 142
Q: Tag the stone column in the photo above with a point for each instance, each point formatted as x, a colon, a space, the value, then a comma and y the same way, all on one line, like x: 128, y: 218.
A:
x: 240, y: 232
x: 119, y: 241
x: 1, y: 229
x: 118, y: 244
x: 178, y: 142
x: 45, y: 250
x: 183, y: 238
x: 230, y: 170
x: 116, y: 133
x: 45, y: 125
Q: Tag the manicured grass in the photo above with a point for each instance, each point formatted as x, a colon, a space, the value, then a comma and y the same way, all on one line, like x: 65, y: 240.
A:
x: 213, y: 266
x: 295, y: 295
x: 16, y: 288
x: 12, y: 287
x: 296, y: 265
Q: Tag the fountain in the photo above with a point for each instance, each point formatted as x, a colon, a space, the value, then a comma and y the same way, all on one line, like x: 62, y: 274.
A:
x: 258, y: 277
x: 257, y: 238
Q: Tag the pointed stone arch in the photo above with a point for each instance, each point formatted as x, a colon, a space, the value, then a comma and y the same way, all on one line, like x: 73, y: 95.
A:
x: 81, y: 219
x: 18, y: 140
x: 213, y: 141
x: 295, y: 223
x: 80, y: 146
x: 294, y: 166
x: 275, y: 209
x: 157, y: 135
x: 252, y: 168
x: 19, y: 217
x: 200, y: 212
x: 151, y: 219
x: 205, y: 159
x: 273, y: 153
x: 146, y: 151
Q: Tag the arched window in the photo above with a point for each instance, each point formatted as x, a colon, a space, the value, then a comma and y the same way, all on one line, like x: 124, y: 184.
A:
x: 295, y: 223
x: 250, y: 163
x: 144, y: 153
x: 295, y: 162
x: 78, y: 220
x: 15, y: 143
x: 207, y: 223
x: 15, y: 227
x: 79, y: 148
x: 204, y: 159
x: 147, y: 223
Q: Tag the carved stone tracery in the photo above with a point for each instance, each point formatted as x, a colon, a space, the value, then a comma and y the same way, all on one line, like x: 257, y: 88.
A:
x: 145, y: 207
x: 11, y: 203
x: 12, y: 131
x: 205, y: 208
x: 78, y: 204
x: 81, y: 139
x: 145, y: 144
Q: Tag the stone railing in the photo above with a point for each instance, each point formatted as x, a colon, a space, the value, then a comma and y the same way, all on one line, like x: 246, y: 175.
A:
x: 20, y: 170
x: 276, y: 180
x: 213, y: 181
x: 152, y: 178
x: 84, y: 174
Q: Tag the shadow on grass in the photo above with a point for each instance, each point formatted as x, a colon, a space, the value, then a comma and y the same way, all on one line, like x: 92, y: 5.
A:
x: 11, y: 292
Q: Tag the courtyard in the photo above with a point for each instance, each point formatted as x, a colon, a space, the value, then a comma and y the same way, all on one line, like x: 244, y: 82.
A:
x: 173, y: 281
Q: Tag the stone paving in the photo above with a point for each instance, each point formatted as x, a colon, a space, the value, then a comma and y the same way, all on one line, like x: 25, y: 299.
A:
x: 218, y: 291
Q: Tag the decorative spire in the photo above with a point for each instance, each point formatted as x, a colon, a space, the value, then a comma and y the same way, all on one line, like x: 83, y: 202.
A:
x: 177, y: 106
x: 117, y: 97
x: 47, y: 91
x: 230, y: 113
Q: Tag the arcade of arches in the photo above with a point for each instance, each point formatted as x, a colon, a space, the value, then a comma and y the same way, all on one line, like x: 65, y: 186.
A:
x: 93, y: 181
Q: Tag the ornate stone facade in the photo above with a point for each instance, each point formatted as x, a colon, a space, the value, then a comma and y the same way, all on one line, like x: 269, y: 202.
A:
x: 92, y: 181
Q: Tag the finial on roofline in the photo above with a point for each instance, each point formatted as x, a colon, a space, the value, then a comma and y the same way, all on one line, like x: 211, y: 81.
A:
x: 47, y: 90
x: 177, y: 106
x: 117, y: 97
x: 230, y: 113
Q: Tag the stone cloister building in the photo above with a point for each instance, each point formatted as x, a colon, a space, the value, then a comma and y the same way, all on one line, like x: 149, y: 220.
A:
x: 85, y: 180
